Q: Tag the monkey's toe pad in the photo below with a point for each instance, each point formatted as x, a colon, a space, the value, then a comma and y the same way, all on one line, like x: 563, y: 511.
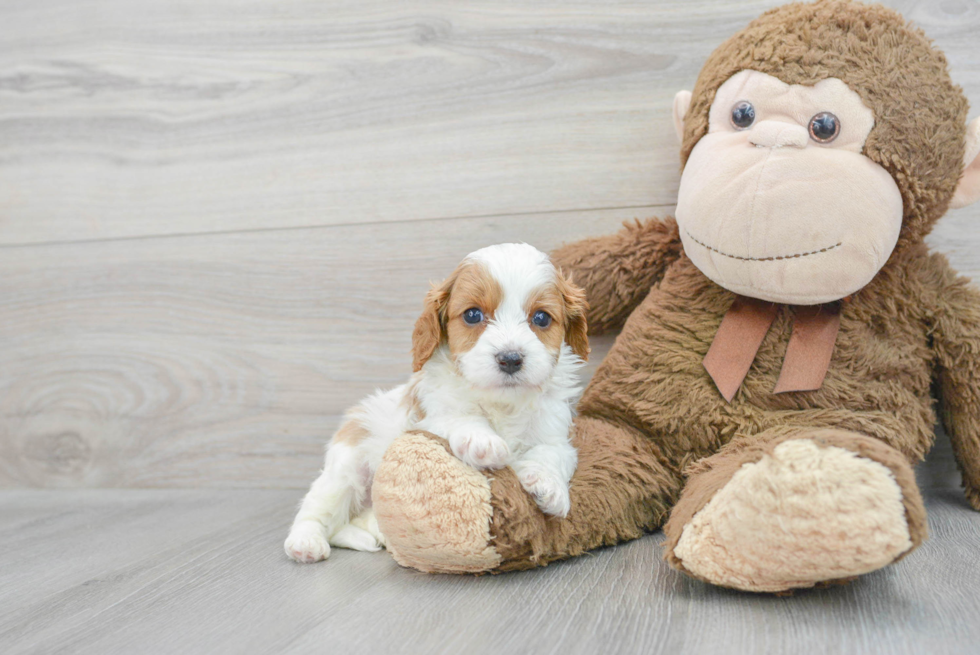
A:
x: 433, y: 509
x: 801, y: 515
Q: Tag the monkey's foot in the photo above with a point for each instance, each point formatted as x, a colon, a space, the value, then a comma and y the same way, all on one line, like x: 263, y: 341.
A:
x: 796, y: 511
x: 433, y: 509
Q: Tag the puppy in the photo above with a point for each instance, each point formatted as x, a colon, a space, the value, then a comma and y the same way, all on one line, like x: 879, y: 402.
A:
x: 496, y: 355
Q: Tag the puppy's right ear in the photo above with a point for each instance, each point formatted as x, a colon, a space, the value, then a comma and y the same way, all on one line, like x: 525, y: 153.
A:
x: 430, y: 328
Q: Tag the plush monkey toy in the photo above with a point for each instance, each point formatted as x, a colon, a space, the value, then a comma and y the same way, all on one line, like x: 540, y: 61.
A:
x: 770, y: 389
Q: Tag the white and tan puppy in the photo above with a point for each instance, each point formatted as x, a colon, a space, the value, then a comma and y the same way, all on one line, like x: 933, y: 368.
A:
x: 496, y: 356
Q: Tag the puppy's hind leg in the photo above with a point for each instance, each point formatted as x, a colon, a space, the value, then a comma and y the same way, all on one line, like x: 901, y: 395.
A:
x: 383, y: 417
x: 326, y: 508
x: 367, y: 521
x: 361, y: 534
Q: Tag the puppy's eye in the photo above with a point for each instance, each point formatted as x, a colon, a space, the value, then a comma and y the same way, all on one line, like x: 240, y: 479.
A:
x: 824, y: 127
x: 743, y: 115
x: 541, y: 319
x: 472, y: 316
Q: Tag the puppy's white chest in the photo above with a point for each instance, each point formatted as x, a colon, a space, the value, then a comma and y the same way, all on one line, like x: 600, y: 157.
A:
x: 511, y: 424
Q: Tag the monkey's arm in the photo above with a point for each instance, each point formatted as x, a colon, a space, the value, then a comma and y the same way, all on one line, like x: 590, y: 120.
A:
x: 618, y: 270
x: 956, y: 338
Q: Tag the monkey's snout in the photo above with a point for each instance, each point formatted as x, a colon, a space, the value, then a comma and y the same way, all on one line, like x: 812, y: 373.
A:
x: 778, y: 134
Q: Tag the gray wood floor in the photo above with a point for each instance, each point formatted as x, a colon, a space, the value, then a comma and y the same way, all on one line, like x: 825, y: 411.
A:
x: 217, y: 221
x: 202, y: 571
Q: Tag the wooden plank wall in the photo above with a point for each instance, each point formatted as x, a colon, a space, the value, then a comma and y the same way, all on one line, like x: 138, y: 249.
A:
x: 218, y: 219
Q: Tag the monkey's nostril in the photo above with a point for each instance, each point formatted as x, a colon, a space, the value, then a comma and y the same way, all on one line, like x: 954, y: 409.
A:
x: 510, y: 362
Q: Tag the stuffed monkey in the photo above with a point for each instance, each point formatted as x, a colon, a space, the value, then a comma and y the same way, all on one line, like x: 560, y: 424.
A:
x: 770, y: 389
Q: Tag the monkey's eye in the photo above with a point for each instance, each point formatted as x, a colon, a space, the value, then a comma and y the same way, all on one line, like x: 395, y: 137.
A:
x: 743, y: 115
x: 472, y: 316
x: 541, y: 319
x: 824, y: 127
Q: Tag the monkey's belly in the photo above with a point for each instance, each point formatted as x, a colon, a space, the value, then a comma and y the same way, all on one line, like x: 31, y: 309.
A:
x: 653, y: 378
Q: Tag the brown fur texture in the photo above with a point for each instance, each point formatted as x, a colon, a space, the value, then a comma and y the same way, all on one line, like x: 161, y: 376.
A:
x: 920, y: 115
x: 619, y: 269
x: 471, y: 285
x: 565, y: 304
x: 430, y: 327
x: 651, y: 410
x: 615, y: 498
x: 351, y: 432
x: 651, y: 407
x: 573, y: 310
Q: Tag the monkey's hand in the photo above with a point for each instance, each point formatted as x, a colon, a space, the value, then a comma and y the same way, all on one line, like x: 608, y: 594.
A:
x: 618, y: 270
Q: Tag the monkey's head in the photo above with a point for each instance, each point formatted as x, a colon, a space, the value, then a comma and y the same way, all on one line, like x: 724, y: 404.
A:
x: 818, y: 141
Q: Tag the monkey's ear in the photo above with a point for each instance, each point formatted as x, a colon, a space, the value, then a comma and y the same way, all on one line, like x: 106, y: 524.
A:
x: 968, y: 190
x: 682, y: 102
x: 430, y: 326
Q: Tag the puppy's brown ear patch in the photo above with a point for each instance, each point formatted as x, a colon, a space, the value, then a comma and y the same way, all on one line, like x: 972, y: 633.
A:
x: 576, y: 327
x: 430, y: 328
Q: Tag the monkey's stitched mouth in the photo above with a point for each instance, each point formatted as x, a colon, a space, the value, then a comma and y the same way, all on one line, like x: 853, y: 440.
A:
x: 763, y: 259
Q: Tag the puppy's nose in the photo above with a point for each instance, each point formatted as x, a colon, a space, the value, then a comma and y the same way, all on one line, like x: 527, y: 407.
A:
x: 510, y: 363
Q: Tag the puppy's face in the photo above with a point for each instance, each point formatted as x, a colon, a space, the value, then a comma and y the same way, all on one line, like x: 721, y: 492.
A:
x: 504, y: 313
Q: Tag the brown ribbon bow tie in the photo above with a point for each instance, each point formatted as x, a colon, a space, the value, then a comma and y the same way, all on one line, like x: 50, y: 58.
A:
x: 745, y: 326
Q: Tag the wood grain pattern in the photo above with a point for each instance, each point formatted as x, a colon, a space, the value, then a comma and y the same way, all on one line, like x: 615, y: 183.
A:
x: 132, y: 119
x: 217, y: 221
x: 222, y: 360
x: 167, y: 571
x: 194, y: 282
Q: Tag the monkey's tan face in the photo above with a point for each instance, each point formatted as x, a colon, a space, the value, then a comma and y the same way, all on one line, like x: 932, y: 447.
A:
x: 778, y: 202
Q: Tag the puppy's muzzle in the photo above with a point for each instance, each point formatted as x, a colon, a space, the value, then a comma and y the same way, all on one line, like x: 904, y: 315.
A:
x: 510, y: 362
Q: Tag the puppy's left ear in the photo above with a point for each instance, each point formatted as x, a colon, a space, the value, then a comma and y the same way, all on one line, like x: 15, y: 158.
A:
x: 576, y: 327
x: 431, y: 325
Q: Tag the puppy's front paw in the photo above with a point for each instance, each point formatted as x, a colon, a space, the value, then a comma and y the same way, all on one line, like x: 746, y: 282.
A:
x: 307, y: 542
x: 480, y: 449
x: 549, y: 490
